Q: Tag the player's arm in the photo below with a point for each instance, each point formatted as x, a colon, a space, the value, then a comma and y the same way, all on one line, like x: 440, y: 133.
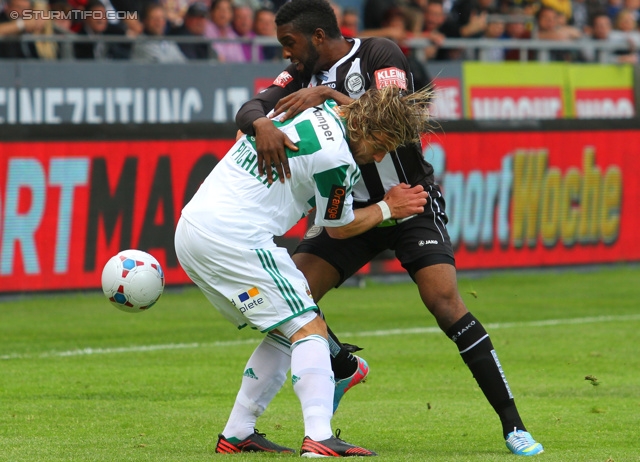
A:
x: 389, y: 66
x: 293, y: 104
x: 271, y: 143
x: 401, y: 201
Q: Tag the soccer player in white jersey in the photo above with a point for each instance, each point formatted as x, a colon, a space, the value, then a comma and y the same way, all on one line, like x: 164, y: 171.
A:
x: 224, y: 241
x: 326, y: 65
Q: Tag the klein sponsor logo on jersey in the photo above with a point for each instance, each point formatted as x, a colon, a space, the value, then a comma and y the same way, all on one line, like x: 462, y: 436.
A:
x: 422, y: 243
x: 390, y: 76
x: 249, y: 300
x: 283, y: 79
x: 336, y: 202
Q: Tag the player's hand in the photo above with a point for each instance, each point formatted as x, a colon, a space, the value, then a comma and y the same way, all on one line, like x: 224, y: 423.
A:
x: 271, y: 146
x: 404, y: 200
x: 295, y: 103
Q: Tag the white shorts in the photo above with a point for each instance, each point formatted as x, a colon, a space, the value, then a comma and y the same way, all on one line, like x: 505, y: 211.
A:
x: 261, y: 288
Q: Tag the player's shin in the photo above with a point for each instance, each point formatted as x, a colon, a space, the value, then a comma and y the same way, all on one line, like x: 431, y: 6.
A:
x: 313, y: 384
x: 263, y: 377
x: 478, y: 353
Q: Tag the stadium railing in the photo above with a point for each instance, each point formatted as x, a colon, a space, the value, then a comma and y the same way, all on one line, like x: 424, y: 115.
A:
x: 603, y: 51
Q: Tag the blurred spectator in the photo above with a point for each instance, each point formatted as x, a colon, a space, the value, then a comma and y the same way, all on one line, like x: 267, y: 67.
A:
x: 264, y: 25
x: 434, y: 19
x: 194, y: 24
x: 136, y: 9
x: 95, y: 25
x: 613, y: 8
x: 175, y: 10
x: 549, y: 27
x: 470, y: 17
x: 46, y: 49
x: 627, y: 26
x: 601, y: 30
x: 337, y: 9
x: 156, y: 51
x: 516, y: 28
x: 131, y: 9
x: 221, y: 15
x: 626, y: 30
x: 17, y: 27
x: 374, y: 11
x: 633, y: 6
x: 243, y: 26
x: 580, y: 15
x: 393, y: 26
x: 62, y: 22
x: 350, y: 24
x: 495, y: 30
x: 413, y: 11
x: 560, y: 6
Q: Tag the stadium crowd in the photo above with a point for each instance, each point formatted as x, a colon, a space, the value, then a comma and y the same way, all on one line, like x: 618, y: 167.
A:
x: 155, y: 30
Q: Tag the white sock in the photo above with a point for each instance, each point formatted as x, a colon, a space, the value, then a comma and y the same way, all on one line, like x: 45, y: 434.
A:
x: 313, y: 383
x: 263, y: 377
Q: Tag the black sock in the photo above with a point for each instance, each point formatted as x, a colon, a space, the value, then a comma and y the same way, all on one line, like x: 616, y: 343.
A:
x: 477, y: 351
x: 343, y: 363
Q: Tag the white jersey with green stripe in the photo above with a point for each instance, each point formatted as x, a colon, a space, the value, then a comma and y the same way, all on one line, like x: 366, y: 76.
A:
x: 238, y: 205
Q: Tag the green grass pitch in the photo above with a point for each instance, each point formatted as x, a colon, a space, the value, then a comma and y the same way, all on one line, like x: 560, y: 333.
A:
x: 82, y: 381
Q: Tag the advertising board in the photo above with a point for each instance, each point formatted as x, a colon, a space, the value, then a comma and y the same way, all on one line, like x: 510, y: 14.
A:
x: 514, y: 199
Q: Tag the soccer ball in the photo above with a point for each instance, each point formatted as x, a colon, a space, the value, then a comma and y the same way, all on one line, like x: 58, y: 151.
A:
x: 132, y: 280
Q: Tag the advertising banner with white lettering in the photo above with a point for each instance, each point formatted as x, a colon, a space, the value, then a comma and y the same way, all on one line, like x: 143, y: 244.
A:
x: 67, y: 207
x: 121, y: 92
x: 601, y: 92
x: 535, y: 199
x: 39, y: 93
x: 534, y: 91
x: 514, y: 200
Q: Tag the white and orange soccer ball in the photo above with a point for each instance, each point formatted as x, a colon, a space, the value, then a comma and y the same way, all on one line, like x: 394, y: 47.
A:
x: 132, y: 280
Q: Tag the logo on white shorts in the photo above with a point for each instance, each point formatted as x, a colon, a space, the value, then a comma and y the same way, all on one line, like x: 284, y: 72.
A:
x: 249, y: 301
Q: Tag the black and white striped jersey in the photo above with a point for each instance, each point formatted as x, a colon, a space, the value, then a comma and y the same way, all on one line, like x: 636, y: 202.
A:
x: 372, y: 62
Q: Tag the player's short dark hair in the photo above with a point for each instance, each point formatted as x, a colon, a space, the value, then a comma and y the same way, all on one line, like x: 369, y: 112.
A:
x: 308, y: 15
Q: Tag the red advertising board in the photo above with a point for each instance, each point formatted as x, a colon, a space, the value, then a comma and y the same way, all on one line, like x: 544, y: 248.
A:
x: 447, y: 101
x: 530, y: 199
x: 508, y: 103
x: 514, y: 199
x: 604, y: 103
x: 67, y: 207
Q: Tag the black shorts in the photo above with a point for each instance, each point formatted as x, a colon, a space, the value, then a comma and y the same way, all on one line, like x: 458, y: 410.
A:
x: 418, y: 242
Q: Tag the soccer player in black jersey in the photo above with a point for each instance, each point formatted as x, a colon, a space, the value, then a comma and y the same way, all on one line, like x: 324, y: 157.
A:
x: 326, y: 65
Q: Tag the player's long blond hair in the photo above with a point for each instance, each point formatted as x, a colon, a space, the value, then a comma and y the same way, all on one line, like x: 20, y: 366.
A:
x: 401, y: 119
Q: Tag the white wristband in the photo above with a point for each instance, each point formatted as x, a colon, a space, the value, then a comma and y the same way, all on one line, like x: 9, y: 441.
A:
x: 386, y: 211
x: 20, y: 24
